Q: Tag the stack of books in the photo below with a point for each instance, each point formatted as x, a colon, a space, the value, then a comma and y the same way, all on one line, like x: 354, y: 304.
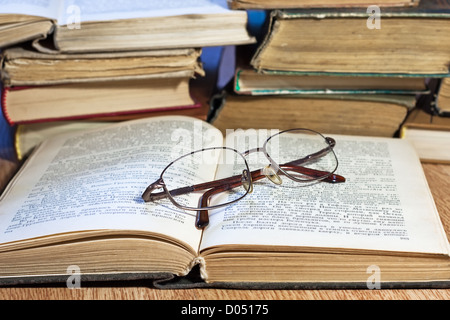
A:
x: 94, y: 63
x: 343, y: 67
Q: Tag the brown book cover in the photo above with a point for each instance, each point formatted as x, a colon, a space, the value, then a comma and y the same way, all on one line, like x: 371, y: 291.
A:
x: 292, y: 4
x: 325, y: 40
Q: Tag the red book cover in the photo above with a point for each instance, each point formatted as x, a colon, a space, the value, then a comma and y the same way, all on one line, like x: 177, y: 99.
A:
x: 106, y: 115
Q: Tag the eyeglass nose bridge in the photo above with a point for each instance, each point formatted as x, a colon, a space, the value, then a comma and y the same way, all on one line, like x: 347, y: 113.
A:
x: 271, y: 174
x: 270, y: 171
x: 246, y: 180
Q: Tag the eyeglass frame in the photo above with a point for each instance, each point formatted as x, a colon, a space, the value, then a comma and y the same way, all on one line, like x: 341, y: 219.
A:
x: 202, y: 218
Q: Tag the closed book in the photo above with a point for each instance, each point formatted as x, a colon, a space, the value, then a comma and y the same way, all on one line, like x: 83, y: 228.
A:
x: 443, y: 98
x: 348, y: 40
x: 430, y: 135
x: 19, y: 29
x: 24, y: 66
x: 28, y: 136
x: 251, y: 82
x: 94, y: 99
x: 370, y: 115
x: 285, y: 4
x: 128, y: 25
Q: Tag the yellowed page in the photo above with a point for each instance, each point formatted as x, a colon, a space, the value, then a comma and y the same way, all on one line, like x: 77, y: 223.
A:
x: 94, y: 181
x: 385, y: 204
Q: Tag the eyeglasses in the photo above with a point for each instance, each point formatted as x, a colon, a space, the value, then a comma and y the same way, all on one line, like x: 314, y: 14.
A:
x: 192, y: 182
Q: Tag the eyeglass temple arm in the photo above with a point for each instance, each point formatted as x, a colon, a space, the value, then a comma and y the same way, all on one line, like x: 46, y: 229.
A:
x: 149, y: 196
x: 202, y: 218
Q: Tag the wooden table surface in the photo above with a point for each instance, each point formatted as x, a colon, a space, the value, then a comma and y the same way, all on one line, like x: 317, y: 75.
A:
x: 438, y: 176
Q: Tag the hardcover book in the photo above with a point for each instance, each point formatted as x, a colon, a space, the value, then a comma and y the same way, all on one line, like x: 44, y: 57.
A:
x: 97, y: 99
x: 430, y: 135
x: 443, y: 98
x: 291, y: 4
x: 85, y: 26
x: 355, y: 114
x: 24, y: 66
x: 251, y: 82
x: 351, y: 40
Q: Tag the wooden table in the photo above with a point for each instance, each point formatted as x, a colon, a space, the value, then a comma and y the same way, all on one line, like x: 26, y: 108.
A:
x: 438, y: 176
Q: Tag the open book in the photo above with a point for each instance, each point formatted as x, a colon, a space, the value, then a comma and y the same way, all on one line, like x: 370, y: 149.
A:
x: 86, y: 26
x: 77, y: 202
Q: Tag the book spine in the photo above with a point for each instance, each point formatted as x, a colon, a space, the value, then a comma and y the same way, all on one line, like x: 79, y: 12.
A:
x: 17, y: 145
x: 235, y: 5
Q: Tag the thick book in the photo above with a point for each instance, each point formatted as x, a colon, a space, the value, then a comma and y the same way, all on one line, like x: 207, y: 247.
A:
x: 355, y: 114
x: 442, y: 105
x: 430, y: 135
x: 292, y: 4
x: 24, y: 66
x: 76, y: 205
x: 28, y: 136
x: 351, y: 40
x: 250, y: 82
x: 81, y: 26
x: 84, y: 100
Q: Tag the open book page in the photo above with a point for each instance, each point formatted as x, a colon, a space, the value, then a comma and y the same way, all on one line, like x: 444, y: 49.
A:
x: 41, y: 8
x: 94, y: 181
x: 385, y: 204
x: 117, y: 9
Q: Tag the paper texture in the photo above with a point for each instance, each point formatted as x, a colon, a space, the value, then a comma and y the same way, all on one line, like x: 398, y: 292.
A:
x: 94, y: 180
x: 383, y: 205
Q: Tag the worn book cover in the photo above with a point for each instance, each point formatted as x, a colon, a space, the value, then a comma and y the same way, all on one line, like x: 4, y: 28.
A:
x: 402, y: 41
x: 24, y: 66
x: 97, y: 99
x: 80, y: 26
x: 250, y: 82
x: 291, y: 4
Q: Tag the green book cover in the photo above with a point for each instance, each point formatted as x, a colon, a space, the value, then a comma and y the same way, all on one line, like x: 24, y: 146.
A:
x: 425, y: 9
